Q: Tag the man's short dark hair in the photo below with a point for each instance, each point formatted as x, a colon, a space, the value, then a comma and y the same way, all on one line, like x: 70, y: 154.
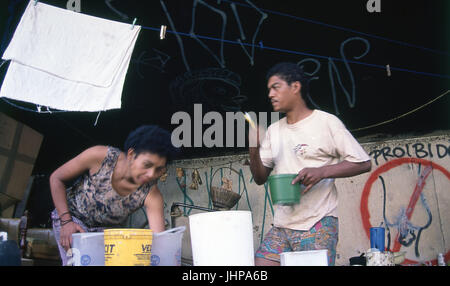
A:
x: 153, y: 139
x: 291, y: 72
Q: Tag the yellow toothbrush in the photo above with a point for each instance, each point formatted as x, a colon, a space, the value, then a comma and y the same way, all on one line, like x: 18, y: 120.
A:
x: 249, y: 119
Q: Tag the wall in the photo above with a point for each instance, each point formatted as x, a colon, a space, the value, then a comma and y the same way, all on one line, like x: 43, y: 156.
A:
x: 407, y: 191
x: 217, y: 53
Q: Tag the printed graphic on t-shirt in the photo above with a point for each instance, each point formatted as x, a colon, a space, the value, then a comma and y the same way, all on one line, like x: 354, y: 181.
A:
x: 300, y: 149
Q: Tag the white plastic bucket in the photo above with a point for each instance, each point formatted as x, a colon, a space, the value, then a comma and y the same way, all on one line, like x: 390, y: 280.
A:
x: 88, y: 249
x: 304, y: 258
x: 166, y: 247
x: 222, y: 238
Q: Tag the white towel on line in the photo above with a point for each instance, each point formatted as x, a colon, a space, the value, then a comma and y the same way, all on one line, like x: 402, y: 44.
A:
x: 67, y: 60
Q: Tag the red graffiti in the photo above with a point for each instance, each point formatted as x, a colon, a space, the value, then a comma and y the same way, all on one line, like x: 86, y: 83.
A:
x: 365, y: 215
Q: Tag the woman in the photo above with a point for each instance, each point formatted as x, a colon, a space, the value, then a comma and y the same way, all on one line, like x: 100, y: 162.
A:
x: 111, y: 185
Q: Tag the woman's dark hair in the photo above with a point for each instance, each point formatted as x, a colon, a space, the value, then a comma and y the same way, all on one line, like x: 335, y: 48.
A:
x: 291, y: 72
x: 153, y: 139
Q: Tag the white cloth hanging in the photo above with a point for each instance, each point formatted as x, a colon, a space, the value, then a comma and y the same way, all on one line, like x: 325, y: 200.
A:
x: 68, y: 60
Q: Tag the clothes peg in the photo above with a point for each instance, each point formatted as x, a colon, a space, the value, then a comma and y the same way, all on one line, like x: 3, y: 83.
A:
x: 261, y: 46
x: 35, y: 2
x: 134, y: 22
x: 162, y: 34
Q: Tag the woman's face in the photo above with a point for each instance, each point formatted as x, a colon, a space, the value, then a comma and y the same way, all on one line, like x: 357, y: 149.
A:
x: 146, y: 167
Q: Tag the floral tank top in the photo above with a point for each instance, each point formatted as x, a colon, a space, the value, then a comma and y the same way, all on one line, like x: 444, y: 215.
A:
x: 93, y: 200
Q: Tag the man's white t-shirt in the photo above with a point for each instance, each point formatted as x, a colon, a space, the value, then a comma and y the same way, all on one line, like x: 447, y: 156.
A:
x: 318, y: 140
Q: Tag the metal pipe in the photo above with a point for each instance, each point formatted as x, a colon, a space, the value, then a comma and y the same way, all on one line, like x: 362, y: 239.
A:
x: 174, y: 205
x: 190, y: 206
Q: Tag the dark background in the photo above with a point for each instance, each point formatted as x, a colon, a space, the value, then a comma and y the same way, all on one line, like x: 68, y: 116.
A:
x: 411, y: 35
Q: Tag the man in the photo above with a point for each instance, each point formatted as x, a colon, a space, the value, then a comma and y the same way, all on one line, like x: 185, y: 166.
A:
x: 316, y: 146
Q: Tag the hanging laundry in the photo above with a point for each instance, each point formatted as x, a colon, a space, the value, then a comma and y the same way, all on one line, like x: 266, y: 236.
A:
x: 67, y: 60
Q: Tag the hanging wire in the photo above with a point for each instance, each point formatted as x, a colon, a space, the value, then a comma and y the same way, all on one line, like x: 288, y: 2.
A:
x: 342, y: 28
x: 403, y: 115
x: 263, y: 47
x: 3, y: 62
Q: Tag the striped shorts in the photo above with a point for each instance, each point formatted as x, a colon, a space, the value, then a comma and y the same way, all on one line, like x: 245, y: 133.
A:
x: 323, y: 235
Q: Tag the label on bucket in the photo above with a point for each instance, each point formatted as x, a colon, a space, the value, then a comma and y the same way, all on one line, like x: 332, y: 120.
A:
x: 155, y: 260
x: 119, y: 254
x: 85, y: 260
x: 128, y: 248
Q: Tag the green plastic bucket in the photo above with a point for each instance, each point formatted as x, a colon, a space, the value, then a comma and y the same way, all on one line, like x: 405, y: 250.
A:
x: 282, y: 191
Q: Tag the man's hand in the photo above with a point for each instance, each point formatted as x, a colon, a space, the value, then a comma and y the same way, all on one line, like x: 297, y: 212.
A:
x: 257, y: 168
x: 309, y: 177
x: 256, y: 136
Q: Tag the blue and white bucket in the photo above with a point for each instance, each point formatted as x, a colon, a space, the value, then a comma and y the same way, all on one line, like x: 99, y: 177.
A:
x: 166, y: 247
x: 88, y: 249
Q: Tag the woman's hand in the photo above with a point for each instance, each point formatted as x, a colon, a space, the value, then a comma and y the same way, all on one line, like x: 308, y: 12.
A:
x: 154, y: 206
x: 65, y: 236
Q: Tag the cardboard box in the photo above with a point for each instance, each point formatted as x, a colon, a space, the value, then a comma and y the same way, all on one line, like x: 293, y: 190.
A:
x: 41, y: 244
x: 11, y: 226
x: 19, y: 148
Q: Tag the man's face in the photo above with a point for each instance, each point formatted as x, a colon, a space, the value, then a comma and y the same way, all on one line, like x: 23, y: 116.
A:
x: 282, y: 95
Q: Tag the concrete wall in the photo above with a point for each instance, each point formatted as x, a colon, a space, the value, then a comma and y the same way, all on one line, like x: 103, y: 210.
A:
x: 408, y: 191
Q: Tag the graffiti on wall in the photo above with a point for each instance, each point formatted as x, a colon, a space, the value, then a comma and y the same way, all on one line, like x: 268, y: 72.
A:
x: 333, y: 72
x: 417, y: 150
x: 401, y: 229
x: 409, y: 214
x: 219, y: 56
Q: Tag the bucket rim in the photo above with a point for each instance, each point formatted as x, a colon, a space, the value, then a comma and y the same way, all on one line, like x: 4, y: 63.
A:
x: 280, y: 176
x: 128, y: 231
x: 221, y: 212
x: 88, y: 234
x: 305, y: 251
x: 172, y: 231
